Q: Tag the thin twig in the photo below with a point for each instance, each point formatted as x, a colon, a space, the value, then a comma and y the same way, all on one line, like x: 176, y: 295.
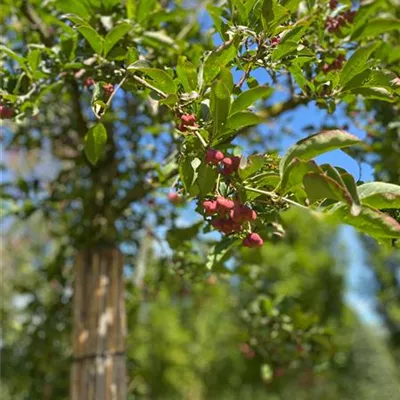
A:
x: 149, y: 86
x: 115, y: 91
x: 197, y: 133
x: 274, y: 196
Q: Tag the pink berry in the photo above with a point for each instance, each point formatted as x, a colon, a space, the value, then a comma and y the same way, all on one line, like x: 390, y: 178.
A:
x: 224, y: 204
x: 210, y: 206
x: 174, y: 198
x: 241, y: 213
x: 231, y: 165
x: 88, y: 82
x: 108, y: 89
x: 333, y: 4
x: 6, y: 112
x: 214, y: 156
x: 253, y: 240
x: 187, y: 120
x: 275, y: 41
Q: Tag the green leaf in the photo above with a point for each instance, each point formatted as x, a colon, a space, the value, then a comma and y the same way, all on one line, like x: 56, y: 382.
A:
x: 370, y: 221
x: 291, y: 5
x: 343, y: 178
x: 317, y: 144
x: 300, y: 79
x: 77, y: 7
x: 294, y: 173
x: 220, y: 252
x: 109, y: 4
x: 34, y: 59
x: 95, y: 40
x: 273, y: 14
x: 95, y: 142
x: 242, y: 119
x: 206, y: 179
x: 116, y: 33
x: 68, y: 45
x: 160, y: 79
x: 357, y: 63
x: 294, y: 34
x: 364, y: 14
x: 218, y: 59
x: 219, y: 104
x: 215, y: 14
x: 254, y: 163
x: 19, y: 59
x: 249, y: 97
x: 352, y: 189
x: 159, y: 39
x: 378, y: 93
x: 263, y: 180
x: 187, y: 74
x: 171, y: 100
x: 376, y: 27
x: 380, y: 195
x: 144, y: 9
x: 241, y: 11
x: 284, y: 49
x: 176, y: 236
x: 226, y: 76
x: 186, y: 173
x: 98, y: 98
x: 320, y: 186
x: 131, y: 9
x: 371, y: 78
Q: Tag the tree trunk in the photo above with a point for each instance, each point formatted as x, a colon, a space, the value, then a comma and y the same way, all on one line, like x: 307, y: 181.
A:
x: 99, y: 331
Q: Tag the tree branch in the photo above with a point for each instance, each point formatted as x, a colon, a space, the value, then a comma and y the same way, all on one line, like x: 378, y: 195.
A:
x: 81, y: 123
x: 37, y: 23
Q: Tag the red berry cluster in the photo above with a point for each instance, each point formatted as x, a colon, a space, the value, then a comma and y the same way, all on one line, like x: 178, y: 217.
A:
x: 334, y: 23
x: 333, y: 4
x: 230, y: 164
x: 88, y: 82
x: 108, y: 89
x: 337, y: 64
x: 187, y: 120
x: 6, y: 112
x: 275, y: 41
x: 231, y: 216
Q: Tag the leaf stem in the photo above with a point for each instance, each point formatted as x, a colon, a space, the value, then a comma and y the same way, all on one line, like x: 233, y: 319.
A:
x: 149, y: 86
x: 274, y: 196
x: 197, y: 133
x: 115, y: 91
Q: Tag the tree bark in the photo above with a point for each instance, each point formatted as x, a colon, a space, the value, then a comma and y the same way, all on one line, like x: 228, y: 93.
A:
x: 99, y: 331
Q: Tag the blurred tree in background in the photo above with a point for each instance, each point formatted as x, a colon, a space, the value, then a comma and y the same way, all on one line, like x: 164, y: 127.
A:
x: 113, y: 109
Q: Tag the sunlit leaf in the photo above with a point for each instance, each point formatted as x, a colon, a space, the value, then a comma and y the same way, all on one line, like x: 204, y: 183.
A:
x: 249, y: 97
x: 380, y: 194
x: 94, y: 39
x: 95, y: 142
x: 116, y: 34
x: 357, y: 63
x: 317, y: 144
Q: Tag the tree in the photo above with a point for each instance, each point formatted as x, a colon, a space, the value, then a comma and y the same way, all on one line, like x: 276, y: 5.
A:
x: 146, y: 101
